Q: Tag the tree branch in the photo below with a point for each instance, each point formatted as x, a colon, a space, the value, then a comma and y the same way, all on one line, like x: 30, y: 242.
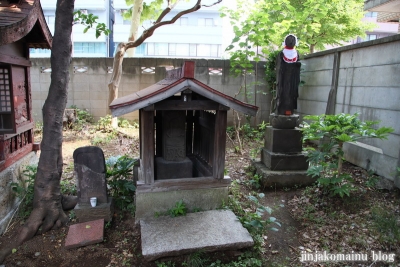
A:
x: 149, y: 32
x: 216, y: 3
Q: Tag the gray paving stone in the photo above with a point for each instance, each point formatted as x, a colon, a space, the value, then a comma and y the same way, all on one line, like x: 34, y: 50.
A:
x: 207, y: 231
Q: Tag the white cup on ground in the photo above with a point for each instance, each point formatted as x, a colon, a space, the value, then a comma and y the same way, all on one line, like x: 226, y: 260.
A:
x: 93, y: 201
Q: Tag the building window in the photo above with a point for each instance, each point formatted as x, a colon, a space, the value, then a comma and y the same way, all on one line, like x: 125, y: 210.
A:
x: 50, y: 19
x: 371, y: 14
x: 208, y: 50
x: 157, y: 49
x: 192, y: 50
x: 90, y: 49
x: 205, y: 22
x: 39, y: 52
x: 140, y: 50
x: 371, y: 37
x: 183, y: 21
x: 5, y: 99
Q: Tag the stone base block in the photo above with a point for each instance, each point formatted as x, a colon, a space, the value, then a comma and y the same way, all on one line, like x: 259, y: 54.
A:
x: 279, y: 179
x: 205, y: 231
x: 284, y: 121
x: 280, y: 161
x: 166, y: 169
x: 148, y: 204
x: 85, y: 212
x: 283, y: 140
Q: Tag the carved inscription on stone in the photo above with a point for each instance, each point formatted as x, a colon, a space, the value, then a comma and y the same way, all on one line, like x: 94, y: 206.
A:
x: 174, y: 139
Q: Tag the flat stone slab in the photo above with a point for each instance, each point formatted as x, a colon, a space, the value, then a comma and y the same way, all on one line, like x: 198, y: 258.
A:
x: 207, y: 231
x: 84, y: 234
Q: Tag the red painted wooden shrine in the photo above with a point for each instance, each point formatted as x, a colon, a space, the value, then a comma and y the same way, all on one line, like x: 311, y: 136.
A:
x: 22, y: 26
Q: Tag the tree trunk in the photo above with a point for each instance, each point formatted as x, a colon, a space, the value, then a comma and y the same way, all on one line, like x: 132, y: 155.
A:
x: 135, y: 23
x: 47, y: 203
x: 123, y: 47
x: 312, y: 48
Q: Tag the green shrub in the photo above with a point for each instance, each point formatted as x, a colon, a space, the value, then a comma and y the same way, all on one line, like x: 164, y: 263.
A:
x: 25, y: 190
x: 332, y: 131
x: 120, y: 180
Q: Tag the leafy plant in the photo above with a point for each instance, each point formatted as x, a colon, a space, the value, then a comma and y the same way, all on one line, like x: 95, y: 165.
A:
x: 68, y: 187
x: 196, y: 259
x: 119, y: 178
x: 255, y: 181
x: 254, y: 218
x: 333, y: 131
x: 89, y: 20
x: 25, y: 190
x: 178, y: 210
x: 104, y: 124
x: 83, y: 115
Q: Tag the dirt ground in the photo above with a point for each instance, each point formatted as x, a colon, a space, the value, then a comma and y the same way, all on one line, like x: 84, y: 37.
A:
x: 306, y: 222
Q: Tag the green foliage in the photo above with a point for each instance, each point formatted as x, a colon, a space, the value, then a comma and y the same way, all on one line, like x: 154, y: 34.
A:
x: 245, y: 260
x: 255, y: 181
x: 387, y: 225
x: 89, y: 21
x: 178, y: 210
x: 83, y: 115
x: 25, y: 190
x: 97, y: 140
x: 38, y: 127
x: 196, y: 259
x: 316, y: 23
x: 124, y: 123
x: 270, y: 71
x: 104, y: 124
x: 332, y: 131
x: 120, y: 181
x: 67, y: 187
x: 165, y: 264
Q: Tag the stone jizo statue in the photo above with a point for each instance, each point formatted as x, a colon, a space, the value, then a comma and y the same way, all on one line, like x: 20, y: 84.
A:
x: 287, y: 77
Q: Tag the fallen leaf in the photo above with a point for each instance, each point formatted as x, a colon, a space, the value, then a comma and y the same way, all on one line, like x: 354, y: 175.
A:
x: 88, y: 226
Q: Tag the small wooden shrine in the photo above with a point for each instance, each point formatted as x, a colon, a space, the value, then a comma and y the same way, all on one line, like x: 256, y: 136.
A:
x: 22, y: 26
x: 182, y: 132
x: 182, y: 126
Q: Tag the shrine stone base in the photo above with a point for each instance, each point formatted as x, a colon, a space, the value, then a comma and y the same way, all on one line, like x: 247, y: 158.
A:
x: 86, y: 213
x: 197, y: 194
x: 207, y: 231
x: 166, y: 169
x: 279, y: 179
x: 283, y: 163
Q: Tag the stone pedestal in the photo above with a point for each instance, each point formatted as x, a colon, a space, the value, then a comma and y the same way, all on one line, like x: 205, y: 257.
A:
x: 283, y: 164
x: 90, y: 173
x: 85, y: 212
x: 166, y: 169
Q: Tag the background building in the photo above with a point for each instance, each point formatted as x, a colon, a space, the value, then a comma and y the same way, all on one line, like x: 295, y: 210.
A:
x: 195, y: 35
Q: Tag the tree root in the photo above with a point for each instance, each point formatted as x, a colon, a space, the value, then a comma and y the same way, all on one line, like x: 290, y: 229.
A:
x: 42, y: 219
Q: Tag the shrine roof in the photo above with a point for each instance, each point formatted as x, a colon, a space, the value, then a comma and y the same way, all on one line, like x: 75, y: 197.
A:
x: 24, y: 18
x: 177, y: 80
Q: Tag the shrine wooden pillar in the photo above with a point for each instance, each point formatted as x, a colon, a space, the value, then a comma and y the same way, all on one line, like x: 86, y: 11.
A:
x: 147, y: 146
x: 219, y: 144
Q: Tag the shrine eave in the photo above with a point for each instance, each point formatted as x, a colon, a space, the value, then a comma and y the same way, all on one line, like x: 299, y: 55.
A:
x: 171, y: 86
x: 24, y: 19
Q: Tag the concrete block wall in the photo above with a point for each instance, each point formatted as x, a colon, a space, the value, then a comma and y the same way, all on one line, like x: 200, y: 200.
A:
x: 8, y: 201
x: 368, y: 83
x: 89, y: 90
